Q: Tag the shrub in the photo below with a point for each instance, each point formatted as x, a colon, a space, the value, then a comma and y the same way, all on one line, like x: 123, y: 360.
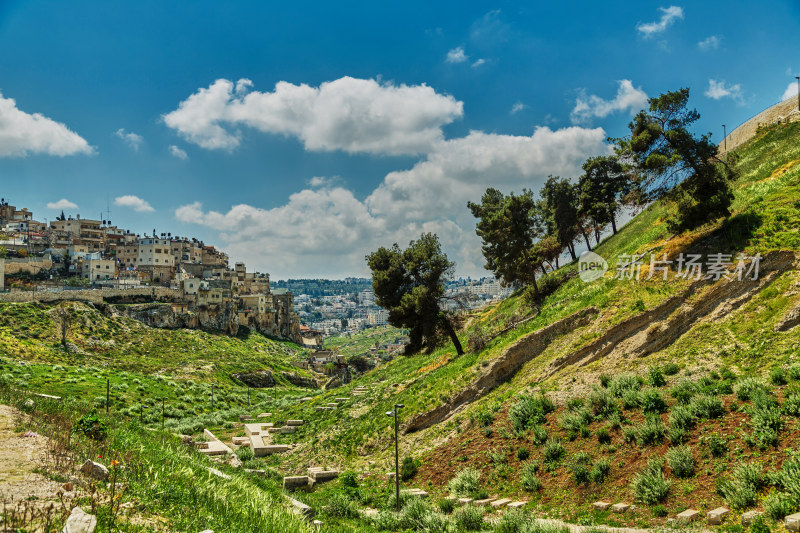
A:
x: 717, y: 446
x: 408, y: 469
x: 386, y: 521
x: 630, y: 399
x: 651, y: 432
x: 529, y: 410
x: 581, y: 474
x: 446, y: 505
x: 682, y: 416
x: 484, y: 418
x: 676, y: 435
x: 656, y: 377
x: 605, y: 379
x: 244, y: 453
x: 765, y: 419
x: 741, y: 488
x: 652, y: 402
x: 660, y: 511
x: 468, y: 518
x: 574, y: 404
x: 624, y: 382
x: 539, y: 435
x: 573, y: 423
x: 603, y: 436
x: 788, y: 477
x: 416, y: 514
x: 601, y: 470
x: 779, y: 504
x: 553, y: 450
x: 794, y: 372
x: 530, y: 481
x: 615, y: 421
x: 746, y: 387
x: 512, y: 521
x: 91, y: 426
x: 465, y: 483
x: 629, y: 434
x: 523, y: 453
x: 348, y: 479
x: 791, y: 405
x: 681, y: 461
x: 758, y: 525
x: 670, y: 369
x: 684, y: 391
x: 777, y: 376
x: 708, y: 407
x: 603, y: 403
x: 650, y: 486
x: 341, y: 505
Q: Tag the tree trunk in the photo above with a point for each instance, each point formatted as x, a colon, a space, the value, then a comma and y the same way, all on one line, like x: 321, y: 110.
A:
x: 571, y: 249
x: 448, y: 326
x: 614, y: 224
x: 544, y: 271
x: 586, y: 238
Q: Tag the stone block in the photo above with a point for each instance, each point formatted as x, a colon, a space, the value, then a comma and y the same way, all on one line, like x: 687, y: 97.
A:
x: 245, y: 418
x: 516, y: 505
x: 80, y: 521
x: 749, y: 516
x: 792, y: 522
x: 414, y: 492
x: 287, y: 429
x: 390, y: 476
x: 485, y: 501
x: 620, y: 507
x: 294, y: 422
x: 257, y: 472
x: 499, y: 504
x: 302, y: 509
x: 601, y: 506
x: 341, y: 399
x: 320, y: 474
x: 95, y: 470
x: 295, y: 482
x: 264, y: 415
x: 689, y: 515
x: 241, y: 441
x: 464, y: 501
x: 716, y: 516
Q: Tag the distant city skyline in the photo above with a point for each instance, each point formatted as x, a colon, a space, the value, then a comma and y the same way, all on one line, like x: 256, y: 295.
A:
x: 300, y: 138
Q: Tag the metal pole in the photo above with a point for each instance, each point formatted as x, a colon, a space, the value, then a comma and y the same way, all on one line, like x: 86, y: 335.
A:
x: 725, y: 137
x: 108, y: 393
x: 798, y: 92
x: 396, y: 463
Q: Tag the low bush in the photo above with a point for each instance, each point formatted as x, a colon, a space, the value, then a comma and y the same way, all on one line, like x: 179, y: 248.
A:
x: 529, y: 478
x: 601, y: 470
x: 553, y: 450
x: 746, y: 387
x: 682, y: 416
x: 650, y: 486
x: 603, y: 436
x: 791, y: 405
x: 684, y: 391
x: 778, y: 505
x: 655, y: 377
x: 340, y: 505
x: 681, y: 461
x: 408, y: 469
x: 659, y: 511
x: 465, y: 484
x: 523, y: 453
x: 716, y: 445
x: 512, y: 521
x: 708, y: 407
x: 631, y: 399
x: 529, y: 410
x: 652, y: 402
x: 676, y: 435
x: 794, y: 372
x: 468, y: 518
x: 777, y: 376
x: 446, y: 505
x: 741, y: 488
x: 765, y: 419
x: 574, y: 423
x: 605, y: 379
x: 670, y: 369
x: 539, y: 435
x: 603, y: 403
x: 624, y: 382
x: 651, y: 432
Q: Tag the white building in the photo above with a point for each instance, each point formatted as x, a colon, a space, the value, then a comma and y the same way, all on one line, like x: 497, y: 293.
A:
x: 155, y: 252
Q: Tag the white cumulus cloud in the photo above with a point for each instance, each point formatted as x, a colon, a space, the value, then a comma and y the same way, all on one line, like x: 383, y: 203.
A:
x: 131, y: 139
x: 668, y: 16
x: 718, y: 90
x: 791, y: 91
x: 134, y: 202
x: 628, y: 98
x: 22, y: 134
x: 348, y: 114
x: 328, y: 229
x: 177, y: 152
x: 456, y: 55
x: 709, y: 43
x: 62, y: 204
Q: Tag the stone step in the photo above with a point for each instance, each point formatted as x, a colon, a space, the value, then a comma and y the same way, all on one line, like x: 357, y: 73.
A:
x: 294, y: 422
x: 319, y: 474
x: 287, y: 429
x: 260, y: 449
x: 516, y: 505
x: 302, y: 509
x: 464, y: 501
x: 620, y: 507
x: 499, y: 504
x: 241, y: 441
x: 264, y: 415
x: 245, y: 418
x: 601, y: 506
x: 749, y: 516
x: 689, y: 515
x: 295, y: 482
x: 414, y: 492
x: 792, y: 522
x: 256, y: 429
x: 486, y: 501
x: 716, y: 516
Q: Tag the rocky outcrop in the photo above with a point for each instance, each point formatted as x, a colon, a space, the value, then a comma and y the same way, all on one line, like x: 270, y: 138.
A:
x: 300, y: 381
x: 157, y: 315
x: 258, y: 379
x: 503, y: 367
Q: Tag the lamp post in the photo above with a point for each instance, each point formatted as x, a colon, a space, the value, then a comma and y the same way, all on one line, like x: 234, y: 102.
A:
x: 394, y: 413
x: 725, y: 137
x: 798, y: 91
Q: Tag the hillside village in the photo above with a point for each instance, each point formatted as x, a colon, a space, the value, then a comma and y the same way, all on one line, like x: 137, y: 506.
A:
x: 59, y: 259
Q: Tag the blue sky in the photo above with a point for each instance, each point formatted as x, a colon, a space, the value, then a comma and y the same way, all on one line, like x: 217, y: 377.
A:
x: 301, y: 137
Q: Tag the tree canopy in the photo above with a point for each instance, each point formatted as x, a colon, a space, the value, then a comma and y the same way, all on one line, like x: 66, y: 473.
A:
x: 410, y: 284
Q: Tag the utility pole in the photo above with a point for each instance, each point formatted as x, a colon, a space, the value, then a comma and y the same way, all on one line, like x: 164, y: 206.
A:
x: 798, y: 92
x: 394, y: 414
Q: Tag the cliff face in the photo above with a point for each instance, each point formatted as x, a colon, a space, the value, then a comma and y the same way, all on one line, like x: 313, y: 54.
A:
x: 156, y: 315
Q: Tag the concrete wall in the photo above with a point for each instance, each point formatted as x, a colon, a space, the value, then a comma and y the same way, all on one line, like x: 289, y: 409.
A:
x: 93, y: 296
x: 785, y: 111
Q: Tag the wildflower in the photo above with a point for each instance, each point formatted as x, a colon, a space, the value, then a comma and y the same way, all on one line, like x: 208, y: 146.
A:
x: 114, y: 462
